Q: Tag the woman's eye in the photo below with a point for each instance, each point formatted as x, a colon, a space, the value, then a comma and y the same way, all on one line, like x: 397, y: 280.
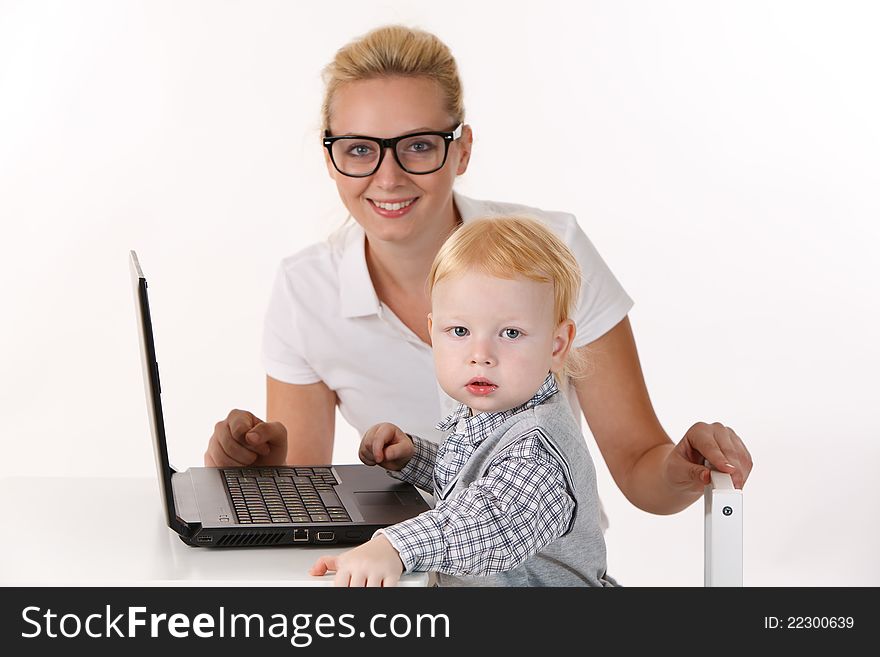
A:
x: 511, y: 334
x: 459, y: 331
x: 360, y: 150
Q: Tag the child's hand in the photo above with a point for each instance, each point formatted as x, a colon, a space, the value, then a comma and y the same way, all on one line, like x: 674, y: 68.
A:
x: 386, y: 445
x: 375, y: 563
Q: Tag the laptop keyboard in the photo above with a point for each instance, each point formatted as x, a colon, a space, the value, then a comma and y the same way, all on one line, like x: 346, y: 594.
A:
x: 284, y: 495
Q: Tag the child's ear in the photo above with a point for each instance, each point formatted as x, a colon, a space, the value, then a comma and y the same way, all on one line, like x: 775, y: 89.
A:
x: 563, y: 338
x: 430, y: 323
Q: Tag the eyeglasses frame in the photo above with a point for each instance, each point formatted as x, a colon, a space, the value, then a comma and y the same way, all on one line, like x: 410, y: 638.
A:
x: 449, y: 136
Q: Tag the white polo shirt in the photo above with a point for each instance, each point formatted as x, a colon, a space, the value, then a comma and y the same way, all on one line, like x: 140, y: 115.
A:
x: 325, y: 323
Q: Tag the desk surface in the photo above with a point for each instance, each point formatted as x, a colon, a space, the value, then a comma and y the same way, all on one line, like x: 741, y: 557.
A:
x: 111, y: 532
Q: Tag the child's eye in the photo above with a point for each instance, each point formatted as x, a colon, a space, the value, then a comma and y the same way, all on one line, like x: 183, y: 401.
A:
x: 511, y: 334
x: 459, y: 331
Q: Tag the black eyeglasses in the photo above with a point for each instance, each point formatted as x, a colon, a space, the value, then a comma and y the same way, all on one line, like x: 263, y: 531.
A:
x: 418, y: 153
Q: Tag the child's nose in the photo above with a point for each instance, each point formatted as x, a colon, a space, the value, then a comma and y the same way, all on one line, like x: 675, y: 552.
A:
x: 482, y: 355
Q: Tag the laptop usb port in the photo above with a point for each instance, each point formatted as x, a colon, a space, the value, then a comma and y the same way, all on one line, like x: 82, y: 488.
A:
x: 204, y: 539
x: 325, y: 537
x: 300, y: 535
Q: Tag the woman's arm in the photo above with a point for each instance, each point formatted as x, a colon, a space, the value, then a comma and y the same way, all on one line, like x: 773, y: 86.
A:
x: 653, y: 473
x: 309, y: 414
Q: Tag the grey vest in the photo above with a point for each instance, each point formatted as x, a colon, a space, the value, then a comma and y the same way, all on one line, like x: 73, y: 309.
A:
x: 578, y: 557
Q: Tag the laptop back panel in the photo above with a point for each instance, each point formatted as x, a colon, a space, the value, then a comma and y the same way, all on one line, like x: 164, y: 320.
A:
x: 152, y: 390
x: 231, y: 507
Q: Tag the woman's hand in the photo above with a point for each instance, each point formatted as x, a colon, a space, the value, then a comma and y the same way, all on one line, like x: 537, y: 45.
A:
x: 243, y: 439
x: 375, y: 563
x: 386, y: 445
x: 715, y: 443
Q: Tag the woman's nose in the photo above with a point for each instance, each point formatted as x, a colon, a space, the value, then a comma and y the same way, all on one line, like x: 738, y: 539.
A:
x: 389, y: 174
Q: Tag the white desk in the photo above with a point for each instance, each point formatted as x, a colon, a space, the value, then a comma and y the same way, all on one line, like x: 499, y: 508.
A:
x: 111, y: 532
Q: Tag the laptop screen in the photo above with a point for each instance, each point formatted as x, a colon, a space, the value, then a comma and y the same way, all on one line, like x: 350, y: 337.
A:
x: 153, y: 392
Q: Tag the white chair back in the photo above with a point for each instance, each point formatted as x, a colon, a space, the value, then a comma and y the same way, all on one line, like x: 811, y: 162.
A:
x: 723, y: 532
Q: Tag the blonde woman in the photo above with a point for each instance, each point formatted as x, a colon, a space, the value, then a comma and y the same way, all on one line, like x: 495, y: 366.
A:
x: 346, y: 324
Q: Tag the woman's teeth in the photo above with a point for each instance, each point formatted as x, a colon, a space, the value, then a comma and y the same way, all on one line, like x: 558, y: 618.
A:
x: 393, y: 206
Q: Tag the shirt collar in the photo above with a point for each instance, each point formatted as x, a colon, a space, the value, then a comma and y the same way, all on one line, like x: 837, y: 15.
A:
x: 468, y: 208
x: 357, y: 296
x: 476, y: 428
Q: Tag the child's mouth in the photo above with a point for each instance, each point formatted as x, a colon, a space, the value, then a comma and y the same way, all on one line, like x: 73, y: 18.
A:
x: 480, y: 386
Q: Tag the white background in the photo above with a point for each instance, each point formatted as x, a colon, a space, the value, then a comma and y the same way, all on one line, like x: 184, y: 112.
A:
x: 722, y: 156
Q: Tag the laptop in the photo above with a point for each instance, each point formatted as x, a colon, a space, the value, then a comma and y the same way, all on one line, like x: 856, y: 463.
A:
x: 265, y: 506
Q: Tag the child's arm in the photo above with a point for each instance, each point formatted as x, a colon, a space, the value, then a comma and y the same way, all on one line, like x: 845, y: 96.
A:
x: 420, y: 469
x: 387, y: 445
x: 521, y: 505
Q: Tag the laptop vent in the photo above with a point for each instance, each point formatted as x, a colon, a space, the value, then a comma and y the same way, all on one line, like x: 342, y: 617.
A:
x: 250, y: 538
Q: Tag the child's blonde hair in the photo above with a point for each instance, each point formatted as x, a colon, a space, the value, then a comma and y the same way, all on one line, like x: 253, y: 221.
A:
x: 395, y: 50
x: 508, y: 247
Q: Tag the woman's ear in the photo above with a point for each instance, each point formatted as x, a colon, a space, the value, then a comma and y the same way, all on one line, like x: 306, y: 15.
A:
x: 465, y: 143
x: 563, y: 337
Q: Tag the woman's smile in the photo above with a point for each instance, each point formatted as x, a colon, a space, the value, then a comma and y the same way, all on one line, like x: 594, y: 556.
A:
x: 392, y: 209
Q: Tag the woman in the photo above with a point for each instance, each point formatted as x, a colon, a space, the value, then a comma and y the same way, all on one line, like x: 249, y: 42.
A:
x: 347, y: 321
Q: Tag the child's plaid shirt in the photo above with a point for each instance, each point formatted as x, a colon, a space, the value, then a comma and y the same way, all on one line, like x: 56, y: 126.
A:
x: 519, y: 506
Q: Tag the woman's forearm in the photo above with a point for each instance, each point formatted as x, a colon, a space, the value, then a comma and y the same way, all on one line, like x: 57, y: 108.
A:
x: 647, y: 488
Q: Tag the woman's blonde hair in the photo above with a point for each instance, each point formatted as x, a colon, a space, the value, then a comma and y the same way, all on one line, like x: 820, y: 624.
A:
x: 390, y: 51
x: 509, y: 247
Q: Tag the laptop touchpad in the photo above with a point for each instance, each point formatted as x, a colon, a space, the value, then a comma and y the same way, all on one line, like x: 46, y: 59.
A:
x: 388, y: 506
